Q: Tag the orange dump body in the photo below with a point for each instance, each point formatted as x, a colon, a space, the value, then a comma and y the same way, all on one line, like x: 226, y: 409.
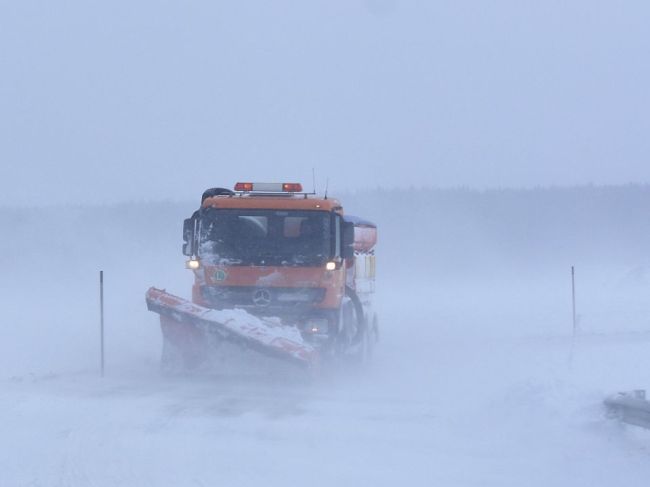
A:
x: 365, y: 238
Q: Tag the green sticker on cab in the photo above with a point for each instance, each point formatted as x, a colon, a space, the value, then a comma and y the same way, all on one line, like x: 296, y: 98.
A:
x: 220, y: 275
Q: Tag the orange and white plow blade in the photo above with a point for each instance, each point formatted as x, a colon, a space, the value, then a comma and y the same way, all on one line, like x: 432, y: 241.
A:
x: 236, y: 326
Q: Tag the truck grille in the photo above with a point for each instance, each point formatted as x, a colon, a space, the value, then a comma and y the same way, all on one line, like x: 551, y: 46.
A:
x: 262, y: 297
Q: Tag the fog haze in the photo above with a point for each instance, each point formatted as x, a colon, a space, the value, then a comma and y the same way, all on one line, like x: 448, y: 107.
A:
x: 153, y: 100
x: 475, y: 381
x: 496, y: 145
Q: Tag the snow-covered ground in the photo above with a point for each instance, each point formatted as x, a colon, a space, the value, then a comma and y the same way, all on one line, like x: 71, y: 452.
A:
x: 475, y: 383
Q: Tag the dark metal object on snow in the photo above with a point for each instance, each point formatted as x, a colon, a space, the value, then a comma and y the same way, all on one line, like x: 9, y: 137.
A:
x: 629, y: 407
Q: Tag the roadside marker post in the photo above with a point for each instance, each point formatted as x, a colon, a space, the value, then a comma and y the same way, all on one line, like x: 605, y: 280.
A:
x: 101, y: 321
x: 573, y: 299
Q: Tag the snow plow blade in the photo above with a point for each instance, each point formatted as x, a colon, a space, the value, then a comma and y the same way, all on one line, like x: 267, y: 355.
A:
x: 236, y: 326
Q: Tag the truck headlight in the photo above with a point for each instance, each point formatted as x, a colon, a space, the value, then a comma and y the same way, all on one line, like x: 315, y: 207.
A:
x: 193, y: 264
x: 330, y: 266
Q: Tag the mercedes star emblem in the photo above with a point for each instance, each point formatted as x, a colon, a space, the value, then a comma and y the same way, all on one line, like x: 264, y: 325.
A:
x: 262, y: 297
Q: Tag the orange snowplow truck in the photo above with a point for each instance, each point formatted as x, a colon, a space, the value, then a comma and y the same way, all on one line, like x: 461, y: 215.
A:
x: 276, y: 270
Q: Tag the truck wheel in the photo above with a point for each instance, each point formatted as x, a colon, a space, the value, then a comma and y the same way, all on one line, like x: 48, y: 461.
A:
x: 362, y: 351
x: 375, y: 329
x: 368, y: 344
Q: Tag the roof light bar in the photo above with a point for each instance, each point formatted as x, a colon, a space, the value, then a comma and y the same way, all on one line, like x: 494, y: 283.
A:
x: 244, y: 187
x: 269, y: 187
x: 292, y: 187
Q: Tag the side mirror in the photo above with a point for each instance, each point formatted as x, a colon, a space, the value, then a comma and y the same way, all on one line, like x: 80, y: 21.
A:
x: 189, y: 237
x: 347, y: 245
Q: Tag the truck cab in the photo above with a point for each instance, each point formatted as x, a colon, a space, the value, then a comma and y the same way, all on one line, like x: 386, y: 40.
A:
x: 278, y: 252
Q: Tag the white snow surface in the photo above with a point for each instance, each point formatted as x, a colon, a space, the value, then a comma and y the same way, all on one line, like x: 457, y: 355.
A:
x: 475, y: 381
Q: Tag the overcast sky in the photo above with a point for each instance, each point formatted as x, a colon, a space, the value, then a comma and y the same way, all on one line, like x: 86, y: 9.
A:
x: 108, y: 101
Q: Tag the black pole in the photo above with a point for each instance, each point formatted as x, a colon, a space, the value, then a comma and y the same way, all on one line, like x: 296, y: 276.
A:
x: 573, y: 297
x: 101, y: 320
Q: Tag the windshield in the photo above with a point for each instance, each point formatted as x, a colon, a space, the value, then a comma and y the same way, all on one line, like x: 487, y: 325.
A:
x: 264, y: 237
